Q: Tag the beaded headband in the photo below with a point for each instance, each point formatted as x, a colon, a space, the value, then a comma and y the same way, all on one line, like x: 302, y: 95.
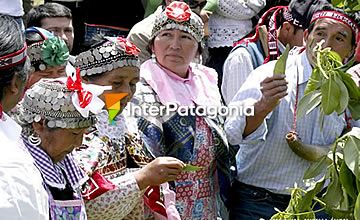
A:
x: 51, y: 51
x: 115, y: 53
x: 63, y: 102
x: 50, y: 99
x: 13, y: 59
x: 178, y: 15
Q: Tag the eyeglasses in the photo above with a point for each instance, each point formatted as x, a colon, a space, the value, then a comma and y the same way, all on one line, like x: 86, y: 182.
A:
x: 195, y: 4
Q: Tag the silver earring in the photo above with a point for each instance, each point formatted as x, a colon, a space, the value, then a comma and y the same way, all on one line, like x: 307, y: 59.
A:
x: 153, y: 58
x: 34, y: 140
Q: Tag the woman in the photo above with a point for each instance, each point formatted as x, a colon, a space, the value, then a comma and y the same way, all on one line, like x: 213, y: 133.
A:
x: 48, y: 55
x: 170, y: 78
x: 21, y: 190
x: 112, y: 152
x: 54, y: 115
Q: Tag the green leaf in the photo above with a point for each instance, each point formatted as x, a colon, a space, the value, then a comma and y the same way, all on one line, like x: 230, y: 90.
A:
x: 344, y: 100
x: 280, y: 65
x: 330, y: 96
x: 347, y: 179
x: 334, y: 193
x: 308, y: 102
x: 335, y: 59
x: 307, y: 200
x: 352, y: 155
x: 337, y: 3
x: 317, y: 168
x: 314, y: 82
x: 357, y: 208
x: 354, y: 107
x: 353, y: 89
x: 191, y: 168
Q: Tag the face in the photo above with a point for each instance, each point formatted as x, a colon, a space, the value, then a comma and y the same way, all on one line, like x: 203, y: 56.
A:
x: 58, y: 142
x: 122, y: 80
x: 61, y: 27
x: 50, y: 72
x: 197, y: 5
x: 336, y: 35
x: 175, y: 49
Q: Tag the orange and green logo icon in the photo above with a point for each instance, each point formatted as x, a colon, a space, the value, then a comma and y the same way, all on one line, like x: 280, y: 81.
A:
x: 112, y: 101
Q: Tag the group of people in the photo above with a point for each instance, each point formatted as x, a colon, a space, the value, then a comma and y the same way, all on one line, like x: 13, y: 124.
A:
x: 69, y: 154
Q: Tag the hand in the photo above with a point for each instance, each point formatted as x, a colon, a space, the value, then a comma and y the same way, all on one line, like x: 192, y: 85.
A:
x: 273, y: 89
x: 160, y: 170
x: 205, y: 15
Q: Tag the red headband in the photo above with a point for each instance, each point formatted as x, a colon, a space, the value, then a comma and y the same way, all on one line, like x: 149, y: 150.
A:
x: 338, y: 17
x: 13, y: 59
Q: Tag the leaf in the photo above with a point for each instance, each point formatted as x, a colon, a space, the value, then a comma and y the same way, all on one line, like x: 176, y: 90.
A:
x: 191, y: 168
x: 337, y: 3
x: 308, y: 102
x: 330, y: 96
x: 334, y: 193
x: 307, y: 200
x: 317, y: 168
x: 357, y: 208
x: 314, y: 82
x: 354, y: 107
x: 352, y: 155
x: 280, y: 65
x: 347, y: 180
x: 344, y: 100
x: 353, y: 89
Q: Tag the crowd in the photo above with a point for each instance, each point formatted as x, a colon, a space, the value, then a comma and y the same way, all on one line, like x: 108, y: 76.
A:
x: 69, y: 152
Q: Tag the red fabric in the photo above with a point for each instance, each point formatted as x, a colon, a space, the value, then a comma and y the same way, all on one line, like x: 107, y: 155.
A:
x: 96, y: 186
x: 84, y: 96
x: 153, y: 200
x: 178, y: 11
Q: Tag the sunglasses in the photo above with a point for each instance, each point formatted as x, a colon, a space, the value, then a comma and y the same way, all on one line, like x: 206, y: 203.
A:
x: 195, y: 4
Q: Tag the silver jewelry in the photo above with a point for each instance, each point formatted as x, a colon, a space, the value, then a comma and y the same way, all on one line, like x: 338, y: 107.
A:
x: 34, y: 139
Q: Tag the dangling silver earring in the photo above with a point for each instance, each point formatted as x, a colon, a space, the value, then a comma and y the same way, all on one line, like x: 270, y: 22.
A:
x: 34, y: 140
x: 153, y: 58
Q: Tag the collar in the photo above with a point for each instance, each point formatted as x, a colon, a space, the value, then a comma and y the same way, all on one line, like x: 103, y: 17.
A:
x: 53, y: 174
x: 303, y: 66
x: 199, y: 88
x: 116, y: 130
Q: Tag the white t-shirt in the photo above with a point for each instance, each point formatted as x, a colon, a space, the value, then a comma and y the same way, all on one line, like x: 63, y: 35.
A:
x: 23, y: 195
x: 12, y: 7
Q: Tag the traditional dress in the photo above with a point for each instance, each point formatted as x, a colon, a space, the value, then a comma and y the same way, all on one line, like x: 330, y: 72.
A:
x: 113, y: 151
x: 197, y: 140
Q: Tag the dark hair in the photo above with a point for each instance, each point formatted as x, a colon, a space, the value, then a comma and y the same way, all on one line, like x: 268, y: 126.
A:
x: 47, y: 10
x: 11, y: 40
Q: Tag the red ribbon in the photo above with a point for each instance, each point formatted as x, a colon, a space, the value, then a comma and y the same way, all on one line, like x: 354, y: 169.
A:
x: 1, y: 112
x: 85, y: 97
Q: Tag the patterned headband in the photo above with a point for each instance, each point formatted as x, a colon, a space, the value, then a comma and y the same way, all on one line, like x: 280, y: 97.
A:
x: 51, y: 51
x: 13, y: 59
x: 343, y: 18
x: 178, y: 15
x: 115, y: 53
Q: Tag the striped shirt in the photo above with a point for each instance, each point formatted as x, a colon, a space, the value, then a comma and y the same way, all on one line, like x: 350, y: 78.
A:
x: 264, y: 158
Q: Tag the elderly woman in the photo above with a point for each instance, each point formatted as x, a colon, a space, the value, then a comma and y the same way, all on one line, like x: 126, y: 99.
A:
x: 48, y: 55
x: 112, y: 152
x: 21, y: 190
x: 169, y: 79
x: 54, y: 115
